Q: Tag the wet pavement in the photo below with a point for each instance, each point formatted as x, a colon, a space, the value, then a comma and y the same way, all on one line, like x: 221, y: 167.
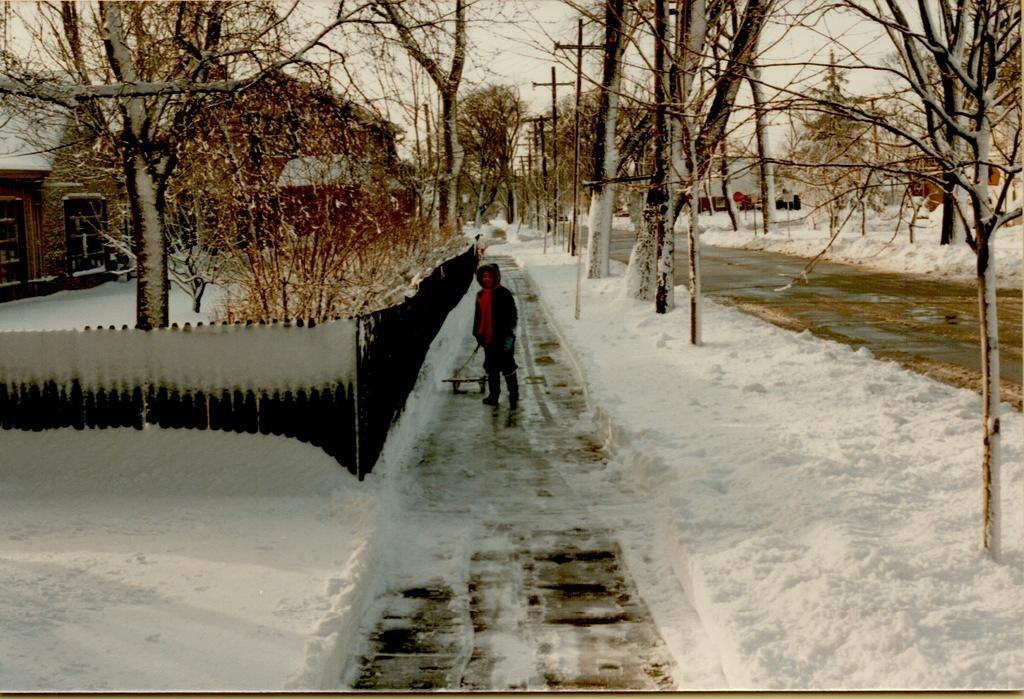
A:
x: 518, y: 583
x: 927, y: 326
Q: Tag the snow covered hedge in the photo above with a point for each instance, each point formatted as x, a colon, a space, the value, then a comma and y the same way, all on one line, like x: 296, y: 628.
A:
x: 338, y: 385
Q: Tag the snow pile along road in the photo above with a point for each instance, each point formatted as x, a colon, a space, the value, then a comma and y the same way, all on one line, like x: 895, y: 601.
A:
x: 822, y: 508
x: 878, y: 248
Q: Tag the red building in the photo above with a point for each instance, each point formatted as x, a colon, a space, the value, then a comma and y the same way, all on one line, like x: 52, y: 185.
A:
x: 54, y: 214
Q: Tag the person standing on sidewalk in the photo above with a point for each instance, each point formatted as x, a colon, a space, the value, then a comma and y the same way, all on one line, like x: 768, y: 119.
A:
x: 494, y: 325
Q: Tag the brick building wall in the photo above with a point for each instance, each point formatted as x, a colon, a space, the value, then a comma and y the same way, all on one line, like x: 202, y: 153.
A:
x: 78, y: 173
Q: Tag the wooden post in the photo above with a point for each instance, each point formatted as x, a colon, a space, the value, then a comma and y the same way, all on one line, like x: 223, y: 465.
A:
x: 578, y: 46
x: 575, y: 226
x: 539, y: 121
x: 554, y: 84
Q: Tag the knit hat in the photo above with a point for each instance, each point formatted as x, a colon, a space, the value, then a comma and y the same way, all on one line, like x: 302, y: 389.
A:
x: 492, y: 268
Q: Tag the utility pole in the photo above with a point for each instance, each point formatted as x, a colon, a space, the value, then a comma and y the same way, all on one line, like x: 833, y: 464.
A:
x: 575, y: 228
x: 530, y: 178
x: 578, y: 46
x: 554, y: 84
x: 539, y: 121
x: 523, y: 196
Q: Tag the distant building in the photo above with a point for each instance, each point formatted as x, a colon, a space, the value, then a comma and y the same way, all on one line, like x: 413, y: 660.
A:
x: 743, y: 186
x: 309, y: 156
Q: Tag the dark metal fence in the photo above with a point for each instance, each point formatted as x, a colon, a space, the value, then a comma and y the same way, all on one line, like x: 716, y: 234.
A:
x: 346, y: 416
x: 394, y: 342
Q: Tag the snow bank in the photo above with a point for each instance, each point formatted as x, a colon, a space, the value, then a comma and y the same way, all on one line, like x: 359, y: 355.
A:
x: 878, y: 249
x: 823, y: 508
x: 168, y: 560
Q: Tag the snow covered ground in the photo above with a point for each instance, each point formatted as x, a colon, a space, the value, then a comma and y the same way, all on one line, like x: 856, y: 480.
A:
x: 877, y: 249
x: 112, y: 303
x: 162, y: 560
x: 821, y: 508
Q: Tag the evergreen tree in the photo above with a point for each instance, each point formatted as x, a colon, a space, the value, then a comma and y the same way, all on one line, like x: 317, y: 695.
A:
x: 832, y: 152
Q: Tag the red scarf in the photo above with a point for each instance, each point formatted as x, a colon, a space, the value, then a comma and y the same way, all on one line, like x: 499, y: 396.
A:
x: 485, y: 329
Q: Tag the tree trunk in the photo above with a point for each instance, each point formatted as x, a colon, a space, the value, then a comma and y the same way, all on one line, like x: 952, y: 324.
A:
x: 766, y: 169
x: 640, y: 274
x: 510, y: 201
x: 599, y: 227
x: 146, y: 221
x: 605, y: 156
x: 435, y: 183
x: 952, y: 222
x: 197, y: 296
x: 449, y: 194
x: 946, y: 234
x: 145, y: 205
x: 991, y: 461
x: 480, y: 197
x: 726, y: 194
x: 657, y: 197
x: 694, y: 257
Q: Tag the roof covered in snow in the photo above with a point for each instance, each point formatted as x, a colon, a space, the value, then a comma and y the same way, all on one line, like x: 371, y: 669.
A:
x: 27, y: 141
x: 317, y: 170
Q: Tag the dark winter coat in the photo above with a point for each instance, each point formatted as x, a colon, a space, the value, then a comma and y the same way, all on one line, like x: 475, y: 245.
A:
x: 504, y: 315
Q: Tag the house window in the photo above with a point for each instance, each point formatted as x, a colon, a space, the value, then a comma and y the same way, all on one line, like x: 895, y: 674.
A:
x: 12, y: 242
x: 719, y: 203
x: 84, y: 219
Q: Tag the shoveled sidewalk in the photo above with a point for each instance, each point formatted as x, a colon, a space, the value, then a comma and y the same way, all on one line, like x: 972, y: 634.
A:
x: 513, y: 582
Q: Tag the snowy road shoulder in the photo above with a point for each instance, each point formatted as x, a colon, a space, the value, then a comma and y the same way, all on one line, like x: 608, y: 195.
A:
x: 827, y: 505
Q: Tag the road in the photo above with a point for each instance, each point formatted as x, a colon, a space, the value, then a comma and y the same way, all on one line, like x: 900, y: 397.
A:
x: 928, y: 326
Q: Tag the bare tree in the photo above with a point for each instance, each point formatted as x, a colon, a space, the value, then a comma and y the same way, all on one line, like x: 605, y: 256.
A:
x: 489, y: 123
x: 713, y: 50
x: 428, y: 40
x: 133, y: 72
x: 958, y: 59
x: 299, y: 194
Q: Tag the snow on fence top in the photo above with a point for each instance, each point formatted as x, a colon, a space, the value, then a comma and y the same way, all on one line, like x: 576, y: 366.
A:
x: 276, y: 356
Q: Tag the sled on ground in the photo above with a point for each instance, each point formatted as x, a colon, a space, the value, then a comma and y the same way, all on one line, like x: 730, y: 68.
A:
x: 458, y: 381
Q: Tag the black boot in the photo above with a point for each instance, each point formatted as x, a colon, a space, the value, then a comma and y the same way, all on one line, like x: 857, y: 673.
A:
x: 493, y: 388
x: 512, y: 381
